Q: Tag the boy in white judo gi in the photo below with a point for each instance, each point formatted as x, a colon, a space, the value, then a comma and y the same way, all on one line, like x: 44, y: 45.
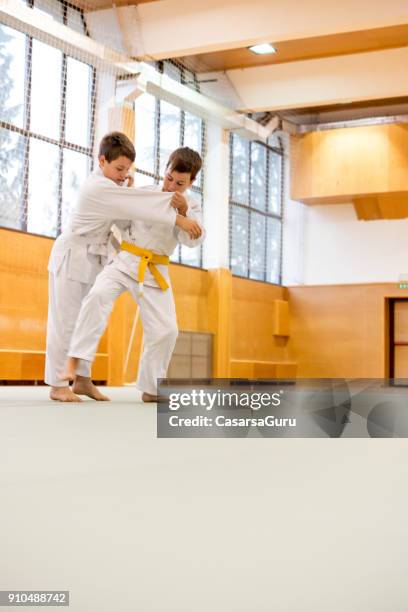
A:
x: 141, y: 267
x: 80, y: 253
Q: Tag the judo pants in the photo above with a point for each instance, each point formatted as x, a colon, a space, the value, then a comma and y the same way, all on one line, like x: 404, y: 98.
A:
x: 65, y: 297
x: 157, y: 313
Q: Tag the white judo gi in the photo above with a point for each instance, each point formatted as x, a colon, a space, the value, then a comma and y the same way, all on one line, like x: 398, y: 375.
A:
x: 157, y: 309
x: 80, y: 252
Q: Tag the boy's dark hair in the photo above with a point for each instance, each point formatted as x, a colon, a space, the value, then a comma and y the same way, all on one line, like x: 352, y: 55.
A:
x: 185, y: 159
x: 116, y: 144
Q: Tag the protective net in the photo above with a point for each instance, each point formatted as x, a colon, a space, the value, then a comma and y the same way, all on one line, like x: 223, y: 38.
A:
x: 68, y: 75
x: 48, y: 112
x: 58, y: 96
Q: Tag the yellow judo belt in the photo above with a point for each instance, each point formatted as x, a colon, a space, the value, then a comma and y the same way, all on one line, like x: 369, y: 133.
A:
x: 148, y: 259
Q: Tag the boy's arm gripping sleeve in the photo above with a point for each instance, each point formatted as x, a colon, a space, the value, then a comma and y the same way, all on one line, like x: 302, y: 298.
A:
x: 114, y: 202
x: 194, y: 212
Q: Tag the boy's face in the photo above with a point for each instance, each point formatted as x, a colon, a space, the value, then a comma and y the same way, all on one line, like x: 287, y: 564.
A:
x: 176, y: 181
x: 116, y: 170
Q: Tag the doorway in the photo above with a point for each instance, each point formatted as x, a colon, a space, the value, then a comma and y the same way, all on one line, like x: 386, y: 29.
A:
x: 398, y: 338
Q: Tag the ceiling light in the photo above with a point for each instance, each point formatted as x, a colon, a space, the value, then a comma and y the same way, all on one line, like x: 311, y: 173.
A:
x: 262, y: 49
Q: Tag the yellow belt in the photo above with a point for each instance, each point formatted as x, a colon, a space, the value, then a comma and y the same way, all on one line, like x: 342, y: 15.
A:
x: 148, y: 259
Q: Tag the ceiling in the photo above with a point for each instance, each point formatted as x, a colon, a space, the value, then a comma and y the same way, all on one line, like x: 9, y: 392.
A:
x: 347, y: 112
x: 317, y: 71
x: 302, y: 49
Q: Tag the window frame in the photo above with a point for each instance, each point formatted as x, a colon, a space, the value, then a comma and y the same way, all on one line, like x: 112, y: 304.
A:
x: 180, y: 70
x: 61, y: 143
x: 252, y: 209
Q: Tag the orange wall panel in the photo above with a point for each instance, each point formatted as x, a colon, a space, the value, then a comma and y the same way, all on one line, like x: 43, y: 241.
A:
x: 23, y: 290
x: 23, y: 307
x: 340, y: 330
x: 330, y: 166
x: 190, y: 287
x: 253, y: 322
x: 334, y: 330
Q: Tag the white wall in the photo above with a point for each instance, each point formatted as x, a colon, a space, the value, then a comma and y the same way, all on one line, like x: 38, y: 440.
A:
x: 293, y: 228
x: 328, y: 245
x: 216, y: 198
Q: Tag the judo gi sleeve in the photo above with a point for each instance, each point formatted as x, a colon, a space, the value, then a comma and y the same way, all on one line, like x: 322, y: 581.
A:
x: 110, y: 201
x: 194, y: 212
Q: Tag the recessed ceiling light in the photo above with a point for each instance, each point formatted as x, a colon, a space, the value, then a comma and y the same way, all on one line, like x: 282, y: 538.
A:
x: 262, y: 49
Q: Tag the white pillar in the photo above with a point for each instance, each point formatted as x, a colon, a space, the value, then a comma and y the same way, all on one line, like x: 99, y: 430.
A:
x: 216, y: 196
x: 294, y: 218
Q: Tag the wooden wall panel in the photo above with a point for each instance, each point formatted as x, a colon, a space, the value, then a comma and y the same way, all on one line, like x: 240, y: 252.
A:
x: 340, y: 330
x: 219, y: 306
x: 335, y: 330
x: 365, y: 165
x: 340, y: 162
x: 281, y: 318
x: 253, y: 321
x: 401, y: 322
x: 401, y: 362
x: 260, y: 325
x: 190, y: 287
x: 23, y: 308
x: 23, y: 290
x: 240, y: 313
x: 23, y: 313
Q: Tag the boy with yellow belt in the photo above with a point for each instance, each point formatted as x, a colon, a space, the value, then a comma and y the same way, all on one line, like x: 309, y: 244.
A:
x: 80, y: 253
x: 142, y: 268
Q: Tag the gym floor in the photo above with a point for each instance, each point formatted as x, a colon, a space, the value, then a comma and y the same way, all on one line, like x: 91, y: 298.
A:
x: 92, y: 502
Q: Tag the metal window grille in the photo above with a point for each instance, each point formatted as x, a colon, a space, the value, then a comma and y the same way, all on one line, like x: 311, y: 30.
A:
x: 256, y: 203
x: 23, y: 144
x: 175, y: 120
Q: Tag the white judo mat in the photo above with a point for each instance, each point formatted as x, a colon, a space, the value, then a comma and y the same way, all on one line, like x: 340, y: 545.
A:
x: 92, y: 502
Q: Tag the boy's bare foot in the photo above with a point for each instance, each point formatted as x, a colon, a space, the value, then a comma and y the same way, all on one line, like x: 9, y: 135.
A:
x: 69, y: 369
x: 84, y: 386
x: 147, y: 397
x: 63, y: 394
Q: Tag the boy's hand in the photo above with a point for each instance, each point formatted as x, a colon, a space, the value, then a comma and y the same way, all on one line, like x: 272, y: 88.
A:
x: 179, y: 202
x: 129, y: 180
x: 189, y: 225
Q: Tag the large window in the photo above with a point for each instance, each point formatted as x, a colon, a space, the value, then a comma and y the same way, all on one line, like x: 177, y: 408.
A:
x: 46, y: 126
x: 256, y: 195
x: 160, y: 128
